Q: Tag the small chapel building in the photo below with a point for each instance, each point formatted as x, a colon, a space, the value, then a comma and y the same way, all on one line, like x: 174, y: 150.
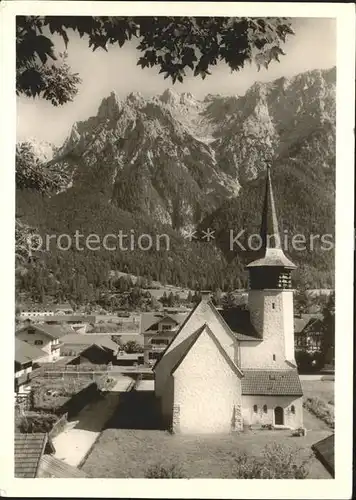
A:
x: 227, y: 369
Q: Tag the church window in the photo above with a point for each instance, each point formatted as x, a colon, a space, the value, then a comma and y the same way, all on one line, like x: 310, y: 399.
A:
x: 273, y: 305
x: 293, y: 409
x: 264, y: 408
x: 274, y: 357
x: 255, y: 408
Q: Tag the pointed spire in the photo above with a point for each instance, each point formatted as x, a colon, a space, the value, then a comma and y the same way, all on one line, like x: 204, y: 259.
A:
x: 269, y: 226
x: 272, y: 252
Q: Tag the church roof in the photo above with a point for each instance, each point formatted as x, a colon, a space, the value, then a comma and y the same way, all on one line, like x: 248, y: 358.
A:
x: 271, y: 383
x: 239, y: 322
x: 272, y: 254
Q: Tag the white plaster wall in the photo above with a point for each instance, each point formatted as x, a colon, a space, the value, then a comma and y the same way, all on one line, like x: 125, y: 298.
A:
x: 204, y: 313
x: 290, y: 420
x: 206, y: 388
x: 288, y: 318
x: 275, y: 325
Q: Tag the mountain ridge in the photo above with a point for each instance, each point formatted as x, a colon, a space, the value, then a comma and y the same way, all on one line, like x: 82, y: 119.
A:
x: 176, y: 163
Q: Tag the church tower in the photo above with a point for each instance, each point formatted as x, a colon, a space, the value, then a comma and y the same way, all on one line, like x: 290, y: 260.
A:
x: 270, y: 290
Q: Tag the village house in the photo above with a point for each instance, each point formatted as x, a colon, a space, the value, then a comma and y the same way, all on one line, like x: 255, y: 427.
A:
x: 27, y: 357
x: 308, y: 331
x: 214, y: 377
x: 158, y: 330
x: 74, y: 344
x: 45, y: 337
x: 93, y: 354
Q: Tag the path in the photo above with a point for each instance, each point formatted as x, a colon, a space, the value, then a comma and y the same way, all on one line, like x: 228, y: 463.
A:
x: 73, y: 444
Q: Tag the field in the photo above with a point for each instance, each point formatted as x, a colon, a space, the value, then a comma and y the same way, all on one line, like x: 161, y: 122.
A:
x: 131, y: 443
x: 323, y: 389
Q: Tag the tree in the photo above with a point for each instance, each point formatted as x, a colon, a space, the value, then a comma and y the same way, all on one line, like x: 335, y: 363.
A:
x: 172, y: 44
x: 132, y: 347
x: 328, y: 342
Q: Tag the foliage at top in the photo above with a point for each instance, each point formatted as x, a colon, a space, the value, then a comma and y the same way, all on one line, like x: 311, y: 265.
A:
x: 172, y: 44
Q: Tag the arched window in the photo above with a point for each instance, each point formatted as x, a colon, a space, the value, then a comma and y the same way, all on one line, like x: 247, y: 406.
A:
x: 255, y: 408
x: 292, y: 408
x: 264, y: 408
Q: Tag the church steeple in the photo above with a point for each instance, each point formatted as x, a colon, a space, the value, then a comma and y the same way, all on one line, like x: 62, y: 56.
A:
x: 270, y: 296
x: 272, y: 269
x: 269, y: 226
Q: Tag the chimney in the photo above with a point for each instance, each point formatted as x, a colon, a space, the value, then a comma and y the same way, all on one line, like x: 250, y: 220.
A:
x: 205, y: 295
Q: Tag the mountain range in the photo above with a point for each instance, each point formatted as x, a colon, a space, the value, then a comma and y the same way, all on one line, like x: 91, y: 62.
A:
x: 174, y: 163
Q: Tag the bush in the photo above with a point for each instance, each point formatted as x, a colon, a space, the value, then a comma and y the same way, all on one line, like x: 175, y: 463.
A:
x: 321, y: 410
x: 276, y: 462
x: 37, y: 422
x: 165, y: 471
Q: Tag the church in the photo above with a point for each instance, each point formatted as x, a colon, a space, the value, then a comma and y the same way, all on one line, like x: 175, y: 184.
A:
x: 228, y: 369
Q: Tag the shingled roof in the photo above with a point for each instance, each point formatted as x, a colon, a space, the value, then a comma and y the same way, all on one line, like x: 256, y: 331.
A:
x: 271, y: 383
x: 86, y: 340
x: 29, y: 449
x: 25, y: 352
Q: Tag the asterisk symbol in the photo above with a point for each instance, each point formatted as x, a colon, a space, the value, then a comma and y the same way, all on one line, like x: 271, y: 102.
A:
x: 190, y: 234
x: 208, y: 234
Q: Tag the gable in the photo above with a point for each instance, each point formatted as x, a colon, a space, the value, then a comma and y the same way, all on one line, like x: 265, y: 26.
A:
x: 204, y: 313
x: 204, y: 346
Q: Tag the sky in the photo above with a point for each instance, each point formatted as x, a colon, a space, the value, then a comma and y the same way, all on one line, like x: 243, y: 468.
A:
x: 312, y: 47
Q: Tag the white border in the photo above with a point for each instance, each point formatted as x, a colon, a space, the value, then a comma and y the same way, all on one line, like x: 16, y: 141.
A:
x: 339, y: 488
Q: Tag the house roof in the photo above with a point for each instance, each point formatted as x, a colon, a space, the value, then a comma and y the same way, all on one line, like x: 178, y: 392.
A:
x: 271, y: 383
x: 239, y: 322
x: 55, y: 331
x: 148, y: 320
x: 324, y: 451
x: 81, y: 339
x: 51, y: 466
x: 29, y: 449
x: 25, y: 352
x: 51, y: 331
x: 64, y: 318
x: 191, y: 340
x: 307, y: 320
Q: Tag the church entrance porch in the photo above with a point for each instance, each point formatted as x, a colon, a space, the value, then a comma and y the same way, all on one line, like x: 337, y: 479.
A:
x: 278, y: 416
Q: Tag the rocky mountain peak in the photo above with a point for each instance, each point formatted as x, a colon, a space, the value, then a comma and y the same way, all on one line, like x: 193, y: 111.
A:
x: 110, y: 107
x: 185, y: 156
x: 171, y: 97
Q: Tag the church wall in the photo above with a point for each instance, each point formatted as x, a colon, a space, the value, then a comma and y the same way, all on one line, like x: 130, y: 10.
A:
x: 271, y: 312
x: 288, y: 320
x: 261, y: 418
x: 207, y: 391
